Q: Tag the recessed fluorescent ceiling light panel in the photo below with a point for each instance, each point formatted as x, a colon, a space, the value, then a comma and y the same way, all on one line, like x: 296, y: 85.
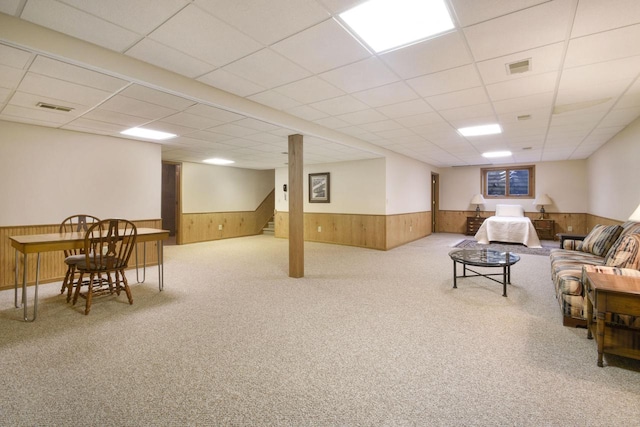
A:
x: 217, y: 161
x: 494, y: 154
x: 388, y: 24
x: 148, y: 133
x: 480, y: 130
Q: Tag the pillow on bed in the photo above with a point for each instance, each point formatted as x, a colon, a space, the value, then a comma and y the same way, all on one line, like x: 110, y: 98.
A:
x: 509, y: 210
x: 600, y: 239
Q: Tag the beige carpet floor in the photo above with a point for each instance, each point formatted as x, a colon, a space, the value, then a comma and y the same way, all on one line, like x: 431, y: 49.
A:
x: 366, y: 338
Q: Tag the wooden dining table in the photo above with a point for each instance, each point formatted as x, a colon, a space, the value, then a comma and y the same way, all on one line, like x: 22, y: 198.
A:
x: 39, y: 243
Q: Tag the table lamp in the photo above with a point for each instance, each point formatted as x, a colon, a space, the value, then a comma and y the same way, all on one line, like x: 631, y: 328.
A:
x: 542, y: 201
x: 477, y: 200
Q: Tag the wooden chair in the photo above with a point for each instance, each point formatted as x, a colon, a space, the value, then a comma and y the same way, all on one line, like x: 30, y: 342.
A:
x: 108, y: 245
x: 74, y: 223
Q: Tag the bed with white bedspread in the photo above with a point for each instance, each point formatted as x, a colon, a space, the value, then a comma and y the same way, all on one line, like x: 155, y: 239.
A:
x: 508, y: 225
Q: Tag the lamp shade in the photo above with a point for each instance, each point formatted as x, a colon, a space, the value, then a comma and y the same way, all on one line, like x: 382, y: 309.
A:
x: 635, y: 216
x: 542, y: 200
x: 477, y: 199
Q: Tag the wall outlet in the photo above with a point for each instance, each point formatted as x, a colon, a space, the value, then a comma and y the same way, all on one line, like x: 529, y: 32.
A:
x: 219, y: 226
x: 319, y: 229
x: 410, y: 228
x: 569, y: 228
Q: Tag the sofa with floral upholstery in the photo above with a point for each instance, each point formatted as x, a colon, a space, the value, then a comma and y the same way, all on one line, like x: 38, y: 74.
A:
x: 613, y: 249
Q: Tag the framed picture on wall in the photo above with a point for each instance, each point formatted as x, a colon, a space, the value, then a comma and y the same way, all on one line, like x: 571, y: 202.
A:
x: 319, y: 188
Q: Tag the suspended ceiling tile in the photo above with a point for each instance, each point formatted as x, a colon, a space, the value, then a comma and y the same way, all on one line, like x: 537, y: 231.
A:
x: 10, y: 7
x: 459, y: 116
x: 140, y: 16
x: 192, y: 32
x: 191, y: 121
x: 87, y: 125
x: 205, y: 135
x: 452, y: 80
x: 13, y: 57
x: 620, y: 117
x: 457, y: 99
x: 340, y: 105
x: 361, y: 117
x: 524, y: 103
x: 381, y: 126
x: 135, y: 107
x: 29, y: 100
x: 257, y: 125
x: 529, y: 85
x: 361, y: 75
x: 169, y: 127
x: 310, y: 90
x: 10, y: 77
x: 419, y: 119
x: 386, y: 95
x: 430, y: 56
x: 600, y: 47
x: 4, y: 95
x: 58, y: 89
x: 473, y: 12
x: 162, y: 56
x: 405, y: 109
x: 598, y: 16
x: 75, y: 74
x: 115, y: 118
x: 322, y: 47
x: 84, y: 26
x: 35, y: 116
x: 267, y: 68
x: 534, y: 27
x: 266, y: 20
x: 541, y: 60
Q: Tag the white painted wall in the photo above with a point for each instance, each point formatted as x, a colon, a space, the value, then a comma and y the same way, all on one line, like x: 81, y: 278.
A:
x: 408, y: 185
x: 210, y: 188
x: 614, y: 175
x: 49, y: 174
x: 565, y: 182
x: 357, y: 187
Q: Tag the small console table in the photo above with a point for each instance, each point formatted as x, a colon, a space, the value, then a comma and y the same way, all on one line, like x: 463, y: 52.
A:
x: 544, y: 228
x: 607, y: 294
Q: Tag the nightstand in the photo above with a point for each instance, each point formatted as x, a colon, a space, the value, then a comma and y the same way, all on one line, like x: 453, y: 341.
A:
x: 473, y: 223
x: 544, y: 228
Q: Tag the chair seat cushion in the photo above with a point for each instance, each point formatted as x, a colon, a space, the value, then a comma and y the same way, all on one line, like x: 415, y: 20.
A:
x: 74, y: 259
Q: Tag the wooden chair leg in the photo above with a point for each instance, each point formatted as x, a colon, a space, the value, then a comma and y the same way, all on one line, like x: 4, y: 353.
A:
x: 90, y: 293
x: 127, y: 289
x: 76, y: 294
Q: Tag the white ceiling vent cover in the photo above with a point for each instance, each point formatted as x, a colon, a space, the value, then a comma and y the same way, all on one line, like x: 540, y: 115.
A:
x: 519, y: 67
x: 54, y: 107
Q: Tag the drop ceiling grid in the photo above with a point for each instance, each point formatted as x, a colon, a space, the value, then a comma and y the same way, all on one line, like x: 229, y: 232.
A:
x: 439, y: 74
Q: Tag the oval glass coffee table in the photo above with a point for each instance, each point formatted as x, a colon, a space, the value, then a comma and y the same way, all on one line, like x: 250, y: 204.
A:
x: 484, y: 258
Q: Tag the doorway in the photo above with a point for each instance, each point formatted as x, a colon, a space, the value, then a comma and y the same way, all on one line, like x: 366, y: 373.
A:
x: 435, y: 201
x: 171, y: 200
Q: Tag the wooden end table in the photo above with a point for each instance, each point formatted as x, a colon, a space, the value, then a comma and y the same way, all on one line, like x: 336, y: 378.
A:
x: 606, y: 294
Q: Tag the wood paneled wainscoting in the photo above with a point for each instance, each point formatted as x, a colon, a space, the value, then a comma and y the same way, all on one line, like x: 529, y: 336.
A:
x: 202, y: 227
x: 52, y: 266
x: 368, y: 231
x: 456, y: 221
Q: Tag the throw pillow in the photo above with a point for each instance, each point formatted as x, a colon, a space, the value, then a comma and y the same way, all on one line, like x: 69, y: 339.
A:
x: 600, y: 239
x: 625, y: 253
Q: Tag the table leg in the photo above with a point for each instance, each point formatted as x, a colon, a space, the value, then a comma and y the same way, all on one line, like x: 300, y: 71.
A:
x: 144, y: 263
x: 600, y: 337
x: 589, y: 315
x: 160, y: 266
x: 17, y: 280
x: 24, y: 290
x: 504, y: 280
x: 455, y: 275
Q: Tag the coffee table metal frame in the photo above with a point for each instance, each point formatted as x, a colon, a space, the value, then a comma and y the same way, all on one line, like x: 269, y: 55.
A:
x: 484, y: 258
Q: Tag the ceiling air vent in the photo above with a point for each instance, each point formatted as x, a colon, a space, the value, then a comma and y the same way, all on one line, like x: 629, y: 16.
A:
x: 519, y: 66
x: 524, y: 117
x: 54, y: 107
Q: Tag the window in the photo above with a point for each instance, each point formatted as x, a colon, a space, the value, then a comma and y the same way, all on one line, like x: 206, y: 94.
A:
x: 517, y: 182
